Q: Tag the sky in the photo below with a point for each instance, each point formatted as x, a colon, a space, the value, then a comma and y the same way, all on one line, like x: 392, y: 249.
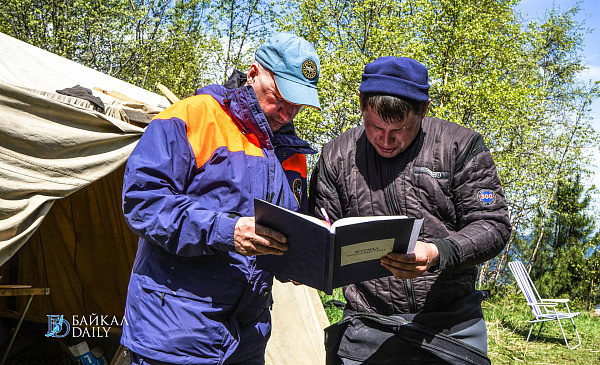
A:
x: 590, y: 14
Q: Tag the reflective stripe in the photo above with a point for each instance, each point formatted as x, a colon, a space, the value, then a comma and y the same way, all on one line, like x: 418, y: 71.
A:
x: 297, y: 162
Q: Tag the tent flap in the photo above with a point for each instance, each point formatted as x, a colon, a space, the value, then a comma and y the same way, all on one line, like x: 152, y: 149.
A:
x: 48, y: 150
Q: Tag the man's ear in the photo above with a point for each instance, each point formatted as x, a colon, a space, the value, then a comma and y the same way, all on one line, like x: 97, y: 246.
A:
x: 252, y: 73
x: 425, y: 109
x: 360, y: 106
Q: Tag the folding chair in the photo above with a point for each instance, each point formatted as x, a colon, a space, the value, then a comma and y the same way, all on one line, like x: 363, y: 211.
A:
x: 543, y: 310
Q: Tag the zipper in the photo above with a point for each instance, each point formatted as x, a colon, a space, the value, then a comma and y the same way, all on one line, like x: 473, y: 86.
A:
x: 271, y: 158
x: 393, y: 199
x: 269, y: 185
x: 389, y: 192
x: 394, y: 206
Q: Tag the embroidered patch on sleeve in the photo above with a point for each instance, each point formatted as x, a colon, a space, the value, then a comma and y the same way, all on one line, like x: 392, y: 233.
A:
x: 297, y: 187
x: 486, y: 196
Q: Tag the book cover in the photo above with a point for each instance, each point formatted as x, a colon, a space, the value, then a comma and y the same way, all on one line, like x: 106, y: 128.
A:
x: 326, y: 258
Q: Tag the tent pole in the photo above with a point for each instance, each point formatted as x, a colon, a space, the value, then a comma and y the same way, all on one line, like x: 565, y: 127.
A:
x: 14, y: 335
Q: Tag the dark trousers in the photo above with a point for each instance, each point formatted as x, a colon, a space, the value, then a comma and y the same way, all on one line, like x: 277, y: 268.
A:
x: 456, y: 336
x: 141, y: 360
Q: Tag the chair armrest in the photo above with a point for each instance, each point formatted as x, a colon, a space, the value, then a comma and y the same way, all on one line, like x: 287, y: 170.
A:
x: 544, y: 304
x: 556, y: 300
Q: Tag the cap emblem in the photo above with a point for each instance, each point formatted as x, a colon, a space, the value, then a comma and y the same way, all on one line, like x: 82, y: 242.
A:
x: 309, y: 69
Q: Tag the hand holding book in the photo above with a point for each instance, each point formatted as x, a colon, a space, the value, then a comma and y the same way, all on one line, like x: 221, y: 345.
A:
x: 252, y: 239
x: 410, y: 266
x: 326, y: 257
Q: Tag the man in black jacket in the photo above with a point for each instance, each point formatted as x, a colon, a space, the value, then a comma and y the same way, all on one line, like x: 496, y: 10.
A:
x: 400, y: 162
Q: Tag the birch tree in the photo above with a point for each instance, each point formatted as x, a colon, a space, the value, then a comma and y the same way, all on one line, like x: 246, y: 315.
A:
x: 513, y: 82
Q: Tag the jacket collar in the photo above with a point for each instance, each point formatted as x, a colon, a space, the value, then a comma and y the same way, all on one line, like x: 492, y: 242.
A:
x: 286, y: 137
x: 244, y: 109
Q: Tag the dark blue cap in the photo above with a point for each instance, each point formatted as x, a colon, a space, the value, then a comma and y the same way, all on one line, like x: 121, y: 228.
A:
x: 397, y: 76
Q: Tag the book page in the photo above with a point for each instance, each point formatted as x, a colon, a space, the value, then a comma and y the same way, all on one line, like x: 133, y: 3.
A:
x: 310, y: 218
x: 303, y: 216
x: 414, y: 235
x: 365, y: 251
x: 353, y: 220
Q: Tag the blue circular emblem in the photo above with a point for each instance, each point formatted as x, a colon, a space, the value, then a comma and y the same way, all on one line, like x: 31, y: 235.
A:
x: 486, y: 197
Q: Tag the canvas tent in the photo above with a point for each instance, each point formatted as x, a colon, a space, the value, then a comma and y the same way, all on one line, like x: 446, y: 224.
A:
x: 61, y: 225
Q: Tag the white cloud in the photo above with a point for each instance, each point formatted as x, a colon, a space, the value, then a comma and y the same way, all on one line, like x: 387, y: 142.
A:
x: 591, y: 73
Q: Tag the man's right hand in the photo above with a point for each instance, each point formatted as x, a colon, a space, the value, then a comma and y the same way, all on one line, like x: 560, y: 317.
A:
x: 410, y: 266
x: 253, y: 239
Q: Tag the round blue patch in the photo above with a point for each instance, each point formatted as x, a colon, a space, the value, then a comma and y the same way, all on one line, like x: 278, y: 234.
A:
x: 486, y: 197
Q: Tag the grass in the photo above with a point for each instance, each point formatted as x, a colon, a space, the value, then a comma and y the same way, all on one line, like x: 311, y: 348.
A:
x: 333, y: 314
x: 506, y: 315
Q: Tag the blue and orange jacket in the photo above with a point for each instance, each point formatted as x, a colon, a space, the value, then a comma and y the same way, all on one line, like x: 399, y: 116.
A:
x: 200, y: 163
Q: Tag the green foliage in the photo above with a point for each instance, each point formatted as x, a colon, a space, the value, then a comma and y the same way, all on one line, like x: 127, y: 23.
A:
x: 140, y: 41
x: 347, y: 35
x: 169, y: 45
x: 243, y: 24
x: 567, y: 264
x: 183, y: 44
x: 513, y: 82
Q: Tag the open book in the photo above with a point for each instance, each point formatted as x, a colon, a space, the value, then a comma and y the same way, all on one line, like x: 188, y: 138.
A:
x: 326, y: 258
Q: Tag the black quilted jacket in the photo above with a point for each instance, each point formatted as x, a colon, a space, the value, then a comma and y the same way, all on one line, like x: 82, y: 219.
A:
x: 448, y: 177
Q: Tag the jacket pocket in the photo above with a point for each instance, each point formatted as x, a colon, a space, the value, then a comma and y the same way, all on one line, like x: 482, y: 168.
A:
x: 182, y: 325
x: 209, y: 279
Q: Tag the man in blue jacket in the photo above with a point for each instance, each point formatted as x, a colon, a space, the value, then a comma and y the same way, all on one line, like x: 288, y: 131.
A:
x: 195, y: 294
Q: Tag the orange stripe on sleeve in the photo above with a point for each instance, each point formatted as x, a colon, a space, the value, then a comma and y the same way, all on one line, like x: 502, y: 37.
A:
x: 296, y: 163
x: 210, y: 127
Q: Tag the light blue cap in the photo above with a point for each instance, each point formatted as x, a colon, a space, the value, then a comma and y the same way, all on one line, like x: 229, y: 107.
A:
x: 295, y: 66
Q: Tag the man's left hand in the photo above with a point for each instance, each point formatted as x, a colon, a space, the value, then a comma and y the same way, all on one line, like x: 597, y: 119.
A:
x: 410, y: 266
